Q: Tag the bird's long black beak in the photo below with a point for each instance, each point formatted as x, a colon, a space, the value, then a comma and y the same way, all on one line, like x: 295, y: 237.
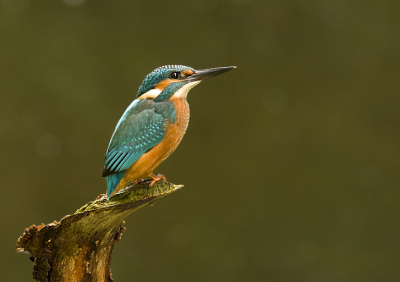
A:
x: 207, y: 73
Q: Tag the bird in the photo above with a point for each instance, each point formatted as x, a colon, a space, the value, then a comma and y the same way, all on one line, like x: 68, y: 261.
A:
x: 152, y: 126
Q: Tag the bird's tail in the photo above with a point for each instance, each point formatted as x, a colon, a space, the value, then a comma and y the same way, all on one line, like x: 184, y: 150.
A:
x: 112, y: 182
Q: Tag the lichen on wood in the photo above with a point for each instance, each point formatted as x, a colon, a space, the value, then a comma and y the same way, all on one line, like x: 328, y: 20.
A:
x: 79, y: 247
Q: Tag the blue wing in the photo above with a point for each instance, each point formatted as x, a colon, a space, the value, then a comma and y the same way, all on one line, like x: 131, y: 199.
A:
x: 139, y: 129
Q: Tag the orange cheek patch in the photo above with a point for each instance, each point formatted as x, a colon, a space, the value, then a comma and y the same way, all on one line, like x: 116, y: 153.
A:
x: 188, y: 72
x: 163, y: 84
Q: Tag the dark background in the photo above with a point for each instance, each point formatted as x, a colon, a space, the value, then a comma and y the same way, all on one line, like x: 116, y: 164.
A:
x: 290, y: 162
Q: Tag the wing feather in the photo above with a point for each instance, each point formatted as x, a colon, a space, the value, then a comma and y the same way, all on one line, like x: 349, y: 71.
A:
x: 139, y: 129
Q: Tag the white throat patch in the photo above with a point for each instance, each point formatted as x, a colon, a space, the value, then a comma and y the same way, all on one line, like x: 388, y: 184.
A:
x: 182, y: 93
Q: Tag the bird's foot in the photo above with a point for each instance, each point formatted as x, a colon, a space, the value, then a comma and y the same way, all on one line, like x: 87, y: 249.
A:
x: 156, y: 178
x: 137, y: 181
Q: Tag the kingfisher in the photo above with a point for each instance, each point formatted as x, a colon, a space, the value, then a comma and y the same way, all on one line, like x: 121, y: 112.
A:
x: 152, y: 126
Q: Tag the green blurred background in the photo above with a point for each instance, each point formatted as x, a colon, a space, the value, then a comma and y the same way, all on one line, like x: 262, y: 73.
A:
x: 290, y: 162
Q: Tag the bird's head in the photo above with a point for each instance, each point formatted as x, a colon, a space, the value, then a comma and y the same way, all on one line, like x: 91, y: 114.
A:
x: 174, y: 81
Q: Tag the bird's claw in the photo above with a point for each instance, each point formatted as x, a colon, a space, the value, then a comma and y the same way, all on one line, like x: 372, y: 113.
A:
x: 137, y: 181
x: 156, y: 178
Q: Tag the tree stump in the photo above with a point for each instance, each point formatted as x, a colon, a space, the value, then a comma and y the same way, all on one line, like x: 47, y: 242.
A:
x: 79, y: 247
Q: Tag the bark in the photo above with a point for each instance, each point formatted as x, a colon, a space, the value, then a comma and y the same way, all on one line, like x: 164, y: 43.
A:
x: 79, y: 247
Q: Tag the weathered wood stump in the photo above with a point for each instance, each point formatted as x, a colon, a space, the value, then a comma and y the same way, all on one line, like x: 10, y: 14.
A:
x: 79, y: 247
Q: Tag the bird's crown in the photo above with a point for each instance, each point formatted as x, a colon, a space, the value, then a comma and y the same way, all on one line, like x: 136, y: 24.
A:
x: 168, y: 73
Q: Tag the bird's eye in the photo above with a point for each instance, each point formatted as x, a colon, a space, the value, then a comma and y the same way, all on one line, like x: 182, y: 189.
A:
x: 175, y: 75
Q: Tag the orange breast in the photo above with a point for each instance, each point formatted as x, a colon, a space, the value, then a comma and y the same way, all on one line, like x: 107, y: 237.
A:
x: 147, y: 163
